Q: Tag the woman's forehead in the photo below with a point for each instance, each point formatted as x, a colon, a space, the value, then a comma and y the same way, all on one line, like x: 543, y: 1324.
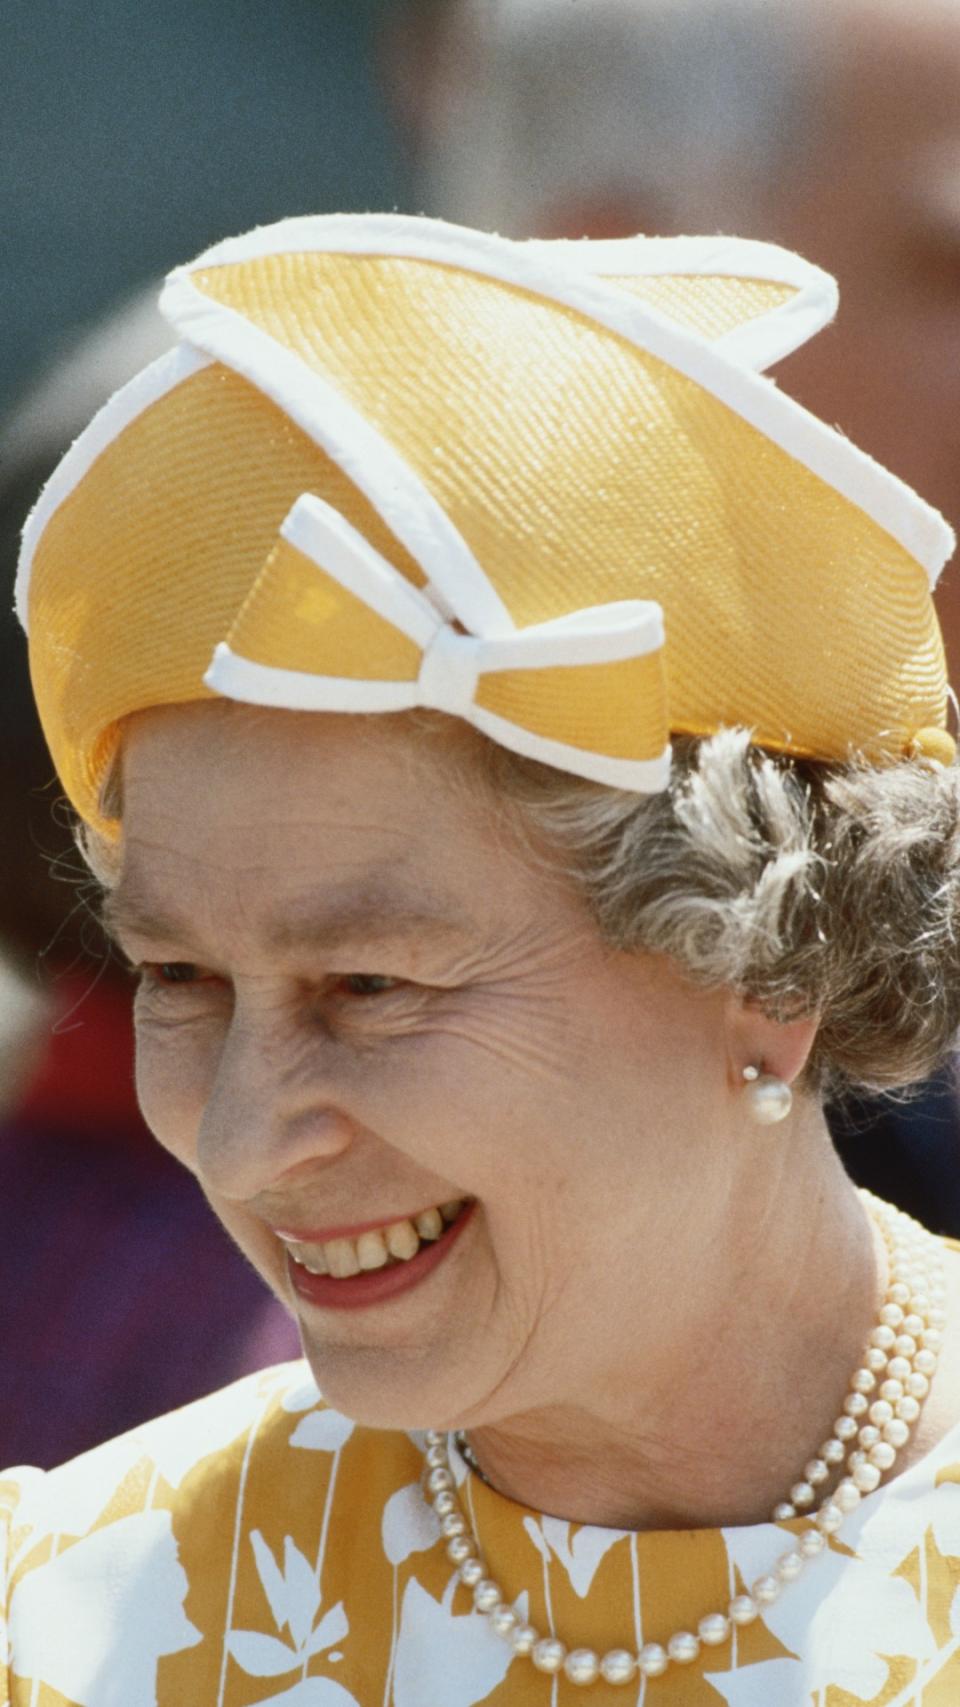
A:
x: 329, y: 916
x: 217, y: 754
x: 326, y: 824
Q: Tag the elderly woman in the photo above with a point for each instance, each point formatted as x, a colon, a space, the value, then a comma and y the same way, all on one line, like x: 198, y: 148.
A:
x: 364, y: 629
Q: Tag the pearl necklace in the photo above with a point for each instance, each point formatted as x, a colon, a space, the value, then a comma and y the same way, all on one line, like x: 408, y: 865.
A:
x: 881, y: 1407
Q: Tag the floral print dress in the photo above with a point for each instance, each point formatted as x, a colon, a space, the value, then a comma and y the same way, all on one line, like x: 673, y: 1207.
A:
x: 259, y: 1547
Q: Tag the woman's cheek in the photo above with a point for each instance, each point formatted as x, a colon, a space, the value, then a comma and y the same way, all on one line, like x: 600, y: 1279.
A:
x: 175, y: 1068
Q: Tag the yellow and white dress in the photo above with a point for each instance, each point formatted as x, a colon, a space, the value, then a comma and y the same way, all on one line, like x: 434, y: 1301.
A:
x: 257, y: 1546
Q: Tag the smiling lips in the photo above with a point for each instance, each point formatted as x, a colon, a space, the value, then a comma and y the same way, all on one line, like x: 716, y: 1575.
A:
x: 378, y: 1247
x: 361, y: 1288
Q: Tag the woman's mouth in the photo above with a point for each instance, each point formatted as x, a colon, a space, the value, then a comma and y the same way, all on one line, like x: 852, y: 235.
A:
x: 347, y: 1273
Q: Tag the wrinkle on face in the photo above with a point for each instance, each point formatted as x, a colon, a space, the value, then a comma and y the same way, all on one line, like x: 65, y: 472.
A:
x: 513, y: 1058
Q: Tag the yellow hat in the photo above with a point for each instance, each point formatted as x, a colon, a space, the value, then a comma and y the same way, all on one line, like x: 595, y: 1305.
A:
x: 542, y: 486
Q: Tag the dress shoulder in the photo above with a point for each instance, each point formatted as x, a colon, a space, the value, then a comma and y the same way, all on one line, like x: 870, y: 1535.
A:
x: 129, y: 1554
x: 209, y: 1431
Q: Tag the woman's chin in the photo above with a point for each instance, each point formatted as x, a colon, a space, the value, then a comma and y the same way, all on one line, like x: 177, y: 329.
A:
x: 366, y: 1386
x: 379, y: 1388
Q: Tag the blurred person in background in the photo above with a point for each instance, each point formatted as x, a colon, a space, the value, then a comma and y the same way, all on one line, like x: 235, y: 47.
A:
x: 830, y: 128
x: 128, y: 1297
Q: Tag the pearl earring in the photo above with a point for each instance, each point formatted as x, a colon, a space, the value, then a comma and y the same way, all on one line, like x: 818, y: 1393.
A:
x: 768, y: 1098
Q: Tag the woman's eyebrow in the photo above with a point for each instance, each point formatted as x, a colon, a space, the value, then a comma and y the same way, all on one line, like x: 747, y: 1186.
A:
x: 340, y: 927
x: 351, y: 921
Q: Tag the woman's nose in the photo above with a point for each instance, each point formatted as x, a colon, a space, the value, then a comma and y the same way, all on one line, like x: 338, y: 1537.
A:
x: 274, y: 1104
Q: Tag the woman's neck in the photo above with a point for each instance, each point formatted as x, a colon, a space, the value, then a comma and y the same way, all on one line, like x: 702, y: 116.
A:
x: 756, y: 1370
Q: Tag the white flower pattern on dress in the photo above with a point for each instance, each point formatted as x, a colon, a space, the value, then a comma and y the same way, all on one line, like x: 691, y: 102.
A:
x: 72, y: 1504
x: 580, y: 1556
x: 121, y: 1594
x: 849, y: 1617
x: 409, y: 1525
x: 293, y: 1596
x: 314, y: 1692
x: 116, y: 1603
x: 430, y: 1632
x: 322, y: 1431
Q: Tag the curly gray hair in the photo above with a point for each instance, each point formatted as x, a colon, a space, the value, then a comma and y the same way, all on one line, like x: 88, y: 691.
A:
x: 809, y: 888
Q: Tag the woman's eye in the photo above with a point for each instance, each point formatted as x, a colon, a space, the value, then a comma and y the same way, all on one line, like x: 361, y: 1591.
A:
x: 165, y: 973
x: 366, y: 984
x: 169, y: 972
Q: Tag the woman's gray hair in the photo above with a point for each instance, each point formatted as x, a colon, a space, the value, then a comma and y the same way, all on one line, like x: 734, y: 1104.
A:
x: 829, y: 890
x: 809, y: 888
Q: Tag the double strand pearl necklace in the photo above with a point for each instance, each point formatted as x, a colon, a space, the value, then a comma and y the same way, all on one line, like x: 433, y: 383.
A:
x: 883, y: 1403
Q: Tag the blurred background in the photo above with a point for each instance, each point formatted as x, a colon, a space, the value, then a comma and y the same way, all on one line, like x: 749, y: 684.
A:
x: 133, y: 136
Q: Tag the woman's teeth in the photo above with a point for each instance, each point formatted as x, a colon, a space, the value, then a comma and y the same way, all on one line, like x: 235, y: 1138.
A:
x: 396, y: 1243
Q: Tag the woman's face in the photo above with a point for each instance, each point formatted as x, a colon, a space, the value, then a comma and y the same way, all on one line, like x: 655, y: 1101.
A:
x: 361, y: 998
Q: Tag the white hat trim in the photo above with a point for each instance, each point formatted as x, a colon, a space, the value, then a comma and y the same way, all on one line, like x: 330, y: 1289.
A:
x: 321, y: 533
x: 451, y: 662
x: 295, y: 690
x: 759, y: 342
x: 600, y: 634
x: 407, y: 506
x: 146, y: 388
x: 828, y: 454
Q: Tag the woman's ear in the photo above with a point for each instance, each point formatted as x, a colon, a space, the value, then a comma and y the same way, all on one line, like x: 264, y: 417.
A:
x: 778, y: 1047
